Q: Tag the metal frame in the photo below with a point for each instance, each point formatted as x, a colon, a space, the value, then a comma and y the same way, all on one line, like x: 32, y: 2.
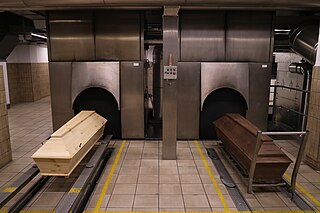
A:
x: 298, y: 200
x: 75, y: 200
x: 17, y: 185
x: 292, y: 185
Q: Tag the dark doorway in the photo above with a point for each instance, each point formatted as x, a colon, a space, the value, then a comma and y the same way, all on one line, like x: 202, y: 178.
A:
x: 217, y: 104
x: 104, y: 103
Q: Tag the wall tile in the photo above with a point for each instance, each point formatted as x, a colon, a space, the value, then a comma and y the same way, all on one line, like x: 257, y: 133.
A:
x: 5, y: 146
x: 313, y: 124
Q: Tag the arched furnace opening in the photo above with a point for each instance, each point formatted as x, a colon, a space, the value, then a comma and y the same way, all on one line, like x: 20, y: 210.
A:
x: 104, y: 103
x: 217, y: 104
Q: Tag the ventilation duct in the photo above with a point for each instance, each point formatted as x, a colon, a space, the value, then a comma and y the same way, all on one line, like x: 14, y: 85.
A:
x: 10, y: 25
x: 304, y: 41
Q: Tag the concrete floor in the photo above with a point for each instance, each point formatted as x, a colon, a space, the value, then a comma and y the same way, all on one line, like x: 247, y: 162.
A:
x: 136, y: 179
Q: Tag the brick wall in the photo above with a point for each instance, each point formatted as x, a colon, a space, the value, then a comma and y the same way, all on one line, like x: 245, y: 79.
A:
x: 313, y: 145
x: 28, y: 81
x: 5, y: 146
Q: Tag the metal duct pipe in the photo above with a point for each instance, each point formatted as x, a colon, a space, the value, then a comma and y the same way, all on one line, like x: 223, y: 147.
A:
x: 47, y: 4
x: 298, y: 68
x: 304, y: 41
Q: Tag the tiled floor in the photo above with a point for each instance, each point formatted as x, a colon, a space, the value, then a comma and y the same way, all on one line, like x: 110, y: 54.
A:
x: 141, y: 181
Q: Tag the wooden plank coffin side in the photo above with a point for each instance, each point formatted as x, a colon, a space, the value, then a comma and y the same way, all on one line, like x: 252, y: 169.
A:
x: 60, y: 155
x: 237, y: 135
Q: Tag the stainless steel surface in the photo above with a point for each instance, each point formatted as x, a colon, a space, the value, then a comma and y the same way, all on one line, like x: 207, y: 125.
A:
x: 284, y: 133
x: 296, y: 167
x: 224, y: 75
x: 105, y: 75
x: 118, y: 35
x: 158, y: 83
x: 132, y: 100
x: 259, y: 94
x: 306, y: 100
x: 170, y: 46
x: 304, y: 41
x: 254, y: 161
x: 296, y: 68
x: 262, y: 4
x: 202, y: 40
x: 188, y: 100
x: 60, y: 87
x: 55, y: 3
x: 248, y: 36
x: 71, y: 36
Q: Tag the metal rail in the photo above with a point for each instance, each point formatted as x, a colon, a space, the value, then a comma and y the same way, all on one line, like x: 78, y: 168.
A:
x: 292, y: 110
x: 290, y: 88
x: 234, y: 192
x: 292, y: 186
x: 297, y: 199
x: 74, y: 202
x: 24, y: 200
x: 8, y: 193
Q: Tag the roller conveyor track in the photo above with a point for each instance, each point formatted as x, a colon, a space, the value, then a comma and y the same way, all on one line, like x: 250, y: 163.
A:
x: 76, y: 199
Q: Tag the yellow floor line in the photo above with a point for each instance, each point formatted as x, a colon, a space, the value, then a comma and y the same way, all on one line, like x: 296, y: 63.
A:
x: 305, y: 192
x: 221, y: 197
x: 106, y: 184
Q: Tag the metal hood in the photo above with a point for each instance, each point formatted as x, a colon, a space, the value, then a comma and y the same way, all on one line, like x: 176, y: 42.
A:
x: 54, y: 4
x: 304, y: 41
x: 10, y: 25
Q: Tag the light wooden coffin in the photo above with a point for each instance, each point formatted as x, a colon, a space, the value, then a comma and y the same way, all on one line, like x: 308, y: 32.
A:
x: 60, y: 155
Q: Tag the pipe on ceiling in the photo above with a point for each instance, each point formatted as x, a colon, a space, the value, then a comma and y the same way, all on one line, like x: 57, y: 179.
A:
x: 47, y: 4
x: 304, y: 41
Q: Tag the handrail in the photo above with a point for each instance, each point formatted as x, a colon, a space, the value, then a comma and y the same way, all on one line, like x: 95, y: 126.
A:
x: 290, y: 88
x: 292, y: 110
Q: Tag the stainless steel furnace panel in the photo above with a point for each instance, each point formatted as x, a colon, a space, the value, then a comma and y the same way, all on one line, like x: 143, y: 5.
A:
x: 249, y: 36
x: 202, y: 35
x: 224, y: 75
x: 132, y: 100
x: 60, y: 87
x: 260, y: 75
x: 188, y: 100
x: 118, y: 35
x: 71, y: 36
x: 105, y: 75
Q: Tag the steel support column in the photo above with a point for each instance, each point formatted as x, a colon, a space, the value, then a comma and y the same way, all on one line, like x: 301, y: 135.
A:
x: 171, y: 57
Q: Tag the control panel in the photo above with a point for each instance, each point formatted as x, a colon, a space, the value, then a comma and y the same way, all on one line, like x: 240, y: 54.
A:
x: 170, y: 72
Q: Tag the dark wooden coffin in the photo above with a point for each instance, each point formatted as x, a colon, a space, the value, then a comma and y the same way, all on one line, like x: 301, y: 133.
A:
x: 239, y: 137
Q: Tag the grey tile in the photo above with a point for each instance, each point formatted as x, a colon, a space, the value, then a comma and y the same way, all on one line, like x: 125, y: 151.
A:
x: 169, y: 179
x: 190, y: 179
x: 195, y: 201
x: 148, y: 179
x: 171, y: 201
x: 121, y: 201
x: 146, y: 201
x: 123, y: 188
x: 170, y: 188
x: 192, y: 189
x: 147, y: 189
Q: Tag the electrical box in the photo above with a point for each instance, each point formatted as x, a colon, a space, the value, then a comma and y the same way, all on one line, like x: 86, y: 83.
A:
x: 170, y: 72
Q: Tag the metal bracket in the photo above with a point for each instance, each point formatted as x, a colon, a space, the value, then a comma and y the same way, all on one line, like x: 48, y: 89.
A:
x: 171, y: 10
